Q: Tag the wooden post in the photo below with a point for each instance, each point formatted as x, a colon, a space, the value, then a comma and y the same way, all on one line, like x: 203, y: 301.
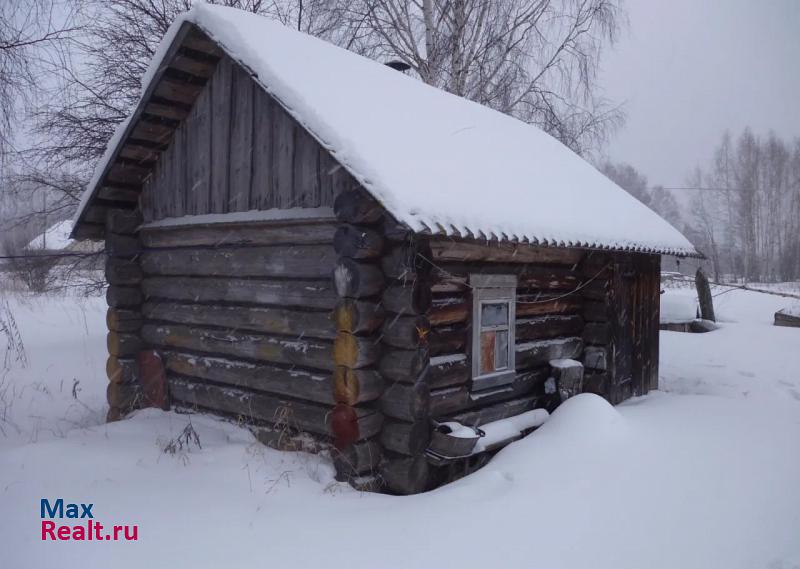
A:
x: 704, y: 296
x: 124, y: 317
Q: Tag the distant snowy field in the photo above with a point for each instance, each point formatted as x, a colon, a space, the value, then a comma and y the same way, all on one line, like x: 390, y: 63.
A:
x: 704, y: 474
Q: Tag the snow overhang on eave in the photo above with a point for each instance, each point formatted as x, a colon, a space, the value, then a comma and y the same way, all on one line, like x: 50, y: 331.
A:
x: 480, y: 237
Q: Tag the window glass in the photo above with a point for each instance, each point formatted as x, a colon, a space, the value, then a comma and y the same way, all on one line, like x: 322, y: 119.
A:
x: 501, y: 349
x: 494, y: 314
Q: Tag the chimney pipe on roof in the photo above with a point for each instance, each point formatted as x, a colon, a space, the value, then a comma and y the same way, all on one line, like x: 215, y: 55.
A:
x: 398, y: 65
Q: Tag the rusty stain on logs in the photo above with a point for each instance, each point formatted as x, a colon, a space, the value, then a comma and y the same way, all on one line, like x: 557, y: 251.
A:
x: 344, y: 426
x: 356, y: 316
x: 354, y: 352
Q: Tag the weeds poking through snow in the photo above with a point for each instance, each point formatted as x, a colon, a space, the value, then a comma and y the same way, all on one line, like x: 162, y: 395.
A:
x: 15, y: 349
x: 183, y: 442
x: 14, y: 352
x: 285, y: 476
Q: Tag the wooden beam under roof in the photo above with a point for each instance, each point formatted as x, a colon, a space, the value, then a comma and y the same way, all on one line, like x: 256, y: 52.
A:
x: 167, y: 100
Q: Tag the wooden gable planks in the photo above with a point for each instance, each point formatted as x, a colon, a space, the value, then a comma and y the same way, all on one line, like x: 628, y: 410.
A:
x: 327, y: 167
x: 306, y: 169
x: 241, y: 140
x: 199, y: 156
x: 149, y: 200
x: 178, y: 193
x: 261, y: 194
x: 220, y: 135
x: 163, y: 189
x: 282, y: 176
x: 208, y: 139
x: 239, y: 150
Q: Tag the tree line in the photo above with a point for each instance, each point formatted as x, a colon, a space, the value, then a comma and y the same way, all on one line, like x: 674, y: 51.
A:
x: 746, y: 217
x: 743, y: 212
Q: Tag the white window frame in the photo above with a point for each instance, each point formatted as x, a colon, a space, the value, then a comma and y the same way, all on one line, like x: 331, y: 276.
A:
x: 492, y: 289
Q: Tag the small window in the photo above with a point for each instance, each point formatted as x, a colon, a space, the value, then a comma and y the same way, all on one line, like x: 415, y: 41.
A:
x: 493, y: 303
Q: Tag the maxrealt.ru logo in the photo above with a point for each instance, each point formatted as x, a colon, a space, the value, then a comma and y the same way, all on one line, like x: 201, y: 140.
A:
x: 90, y: 530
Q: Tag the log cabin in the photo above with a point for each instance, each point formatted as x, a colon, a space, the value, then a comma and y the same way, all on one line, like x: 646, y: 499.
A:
x: 346, y: 259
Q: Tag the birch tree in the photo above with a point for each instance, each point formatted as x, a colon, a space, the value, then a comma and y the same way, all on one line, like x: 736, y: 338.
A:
x: 534, y: 59
x: 748, y: 207
x: 628, y: 178
x: 29, y: 31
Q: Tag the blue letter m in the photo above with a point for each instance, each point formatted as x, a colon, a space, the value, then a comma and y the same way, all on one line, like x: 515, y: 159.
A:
x: 56, y: 511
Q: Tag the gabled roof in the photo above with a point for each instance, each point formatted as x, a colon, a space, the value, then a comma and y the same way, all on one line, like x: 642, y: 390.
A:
x: 437, y: 162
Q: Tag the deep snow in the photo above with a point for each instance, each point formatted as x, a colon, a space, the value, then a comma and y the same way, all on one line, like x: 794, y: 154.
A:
x: 704, y: 474
x: 678, y: 306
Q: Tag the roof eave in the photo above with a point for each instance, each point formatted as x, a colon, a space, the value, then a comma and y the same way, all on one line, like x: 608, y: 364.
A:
x: 456, y: 234
x: 130, y: 126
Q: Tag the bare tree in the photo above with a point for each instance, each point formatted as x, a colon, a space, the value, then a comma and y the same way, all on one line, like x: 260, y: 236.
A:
x: 657, y: 198
x: 748, y: 207
x: 29, y: 31
x: 663, y: 202
x: 533, y: 59
x: 94, y: 87
x: 628, y: 178
x: 705, y: 223
x: 33, y: 36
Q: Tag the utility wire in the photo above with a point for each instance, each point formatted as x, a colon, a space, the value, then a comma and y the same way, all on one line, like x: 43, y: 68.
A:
x: 704, y: 189
x: 582, y: 285
x: 50, y: 255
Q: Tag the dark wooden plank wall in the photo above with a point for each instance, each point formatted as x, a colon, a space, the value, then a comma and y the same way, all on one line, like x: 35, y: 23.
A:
x: 621, y: 310
x: 547, y: 327
x: 239, y: 150
x: 597, y: 267
x: 646, y: 314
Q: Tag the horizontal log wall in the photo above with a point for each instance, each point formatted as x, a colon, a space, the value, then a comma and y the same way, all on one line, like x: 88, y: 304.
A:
x: 242, y: 315
x: 549, y: 325
x: 237, y: 150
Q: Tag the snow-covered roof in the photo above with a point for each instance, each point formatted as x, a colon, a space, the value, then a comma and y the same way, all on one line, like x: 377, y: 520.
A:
x: 55, y: 238
x: 436, y: 161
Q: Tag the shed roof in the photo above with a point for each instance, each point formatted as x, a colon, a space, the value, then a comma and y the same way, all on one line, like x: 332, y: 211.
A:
x: 437, y: 162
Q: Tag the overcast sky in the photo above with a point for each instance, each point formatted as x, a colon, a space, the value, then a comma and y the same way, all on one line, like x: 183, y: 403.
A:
x: 689, y: 69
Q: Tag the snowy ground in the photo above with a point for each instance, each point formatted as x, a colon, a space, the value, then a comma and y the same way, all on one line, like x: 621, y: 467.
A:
x: 704, y: 474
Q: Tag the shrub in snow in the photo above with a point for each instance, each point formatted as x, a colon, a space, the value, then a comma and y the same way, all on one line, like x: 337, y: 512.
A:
x: 187, y: 437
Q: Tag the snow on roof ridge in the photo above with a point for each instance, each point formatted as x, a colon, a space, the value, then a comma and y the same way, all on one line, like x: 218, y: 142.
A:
x: 436, y: 161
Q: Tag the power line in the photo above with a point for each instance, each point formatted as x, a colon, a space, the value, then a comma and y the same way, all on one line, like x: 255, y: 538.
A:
x: 50, y: 255
x: 706, y: 189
